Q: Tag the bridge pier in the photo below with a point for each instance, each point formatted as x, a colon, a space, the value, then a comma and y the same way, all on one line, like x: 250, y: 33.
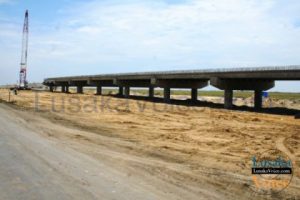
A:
x: 228, y: 97
x: 121, y: 91
x: 127, y: 92
x: 80, y: 89
x: 51, y: 88
x: 258, y: 99
x: 99, y: 90
x: 194, y: 94
x: 257, y: 85
x: 63, y: 89
x: 167, y: 95
x: 67, y: 89
x: 151, y: 92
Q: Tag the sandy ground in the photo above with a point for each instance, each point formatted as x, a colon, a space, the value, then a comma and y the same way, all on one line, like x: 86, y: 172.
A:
x: 203, y: 151
x: 36, y: 167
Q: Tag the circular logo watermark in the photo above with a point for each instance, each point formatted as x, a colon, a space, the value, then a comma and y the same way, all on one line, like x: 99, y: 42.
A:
x: 272, y: 172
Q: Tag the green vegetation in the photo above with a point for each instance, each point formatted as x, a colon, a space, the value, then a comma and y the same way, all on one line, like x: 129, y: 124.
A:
x: 282, y: 95
x: 246, y: 94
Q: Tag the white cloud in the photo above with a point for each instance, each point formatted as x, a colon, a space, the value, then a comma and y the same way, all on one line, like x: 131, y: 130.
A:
x: 182, y: 33
x: 6, y: 1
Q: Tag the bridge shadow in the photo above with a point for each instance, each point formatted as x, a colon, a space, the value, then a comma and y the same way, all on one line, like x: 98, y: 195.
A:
x: 188, y: 102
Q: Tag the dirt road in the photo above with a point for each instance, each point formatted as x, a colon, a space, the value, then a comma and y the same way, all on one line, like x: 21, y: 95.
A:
x: 32, y: 167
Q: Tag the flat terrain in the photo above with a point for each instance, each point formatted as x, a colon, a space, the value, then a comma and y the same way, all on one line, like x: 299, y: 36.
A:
x: 35, y: 167
x: 120, y: 149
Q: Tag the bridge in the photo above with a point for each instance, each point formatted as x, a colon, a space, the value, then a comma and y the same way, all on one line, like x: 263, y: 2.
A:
x: 229, y: 79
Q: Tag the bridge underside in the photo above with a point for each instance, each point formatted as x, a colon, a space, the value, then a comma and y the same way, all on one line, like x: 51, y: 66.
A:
x: 258, y: 80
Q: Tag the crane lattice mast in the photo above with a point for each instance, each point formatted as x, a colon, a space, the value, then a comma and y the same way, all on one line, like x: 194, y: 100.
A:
x: 23, y: 84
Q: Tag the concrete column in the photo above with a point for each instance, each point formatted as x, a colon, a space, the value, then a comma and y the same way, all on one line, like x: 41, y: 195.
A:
x: 167, y: 94
x: 51, y: 88
x: 79, y: 89
x: 99, y: 90
x: 151, y: 92
x: 63, y: 89
x: 121, y: 91
x: 194, y: 94
x: 67, y: 89
x: 228, y: 99
x: 258, y: 99
x: 127, y: 91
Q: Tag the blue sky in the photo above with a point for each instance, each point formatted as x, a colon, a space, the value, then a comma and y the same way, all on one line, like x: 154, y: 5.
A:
x: 73, y: 37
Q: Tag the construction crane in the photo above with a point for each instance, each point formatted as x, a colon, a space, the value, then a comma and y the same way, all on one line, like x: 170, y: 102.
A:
x: 23, y: 84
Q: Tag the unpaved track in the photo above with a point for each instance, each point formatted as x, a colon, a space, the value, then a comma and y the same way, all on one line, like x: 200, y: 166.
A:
x: 32, y: 167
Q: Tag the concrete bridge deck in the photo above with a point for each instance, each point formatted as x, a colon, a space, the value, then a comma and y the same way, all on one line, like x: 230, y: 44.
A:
x: 229, y: 79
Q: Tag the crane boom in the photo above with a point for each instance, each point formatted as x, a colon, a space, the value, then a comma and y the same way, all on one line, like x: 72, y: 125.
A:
x: 23, y: 84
